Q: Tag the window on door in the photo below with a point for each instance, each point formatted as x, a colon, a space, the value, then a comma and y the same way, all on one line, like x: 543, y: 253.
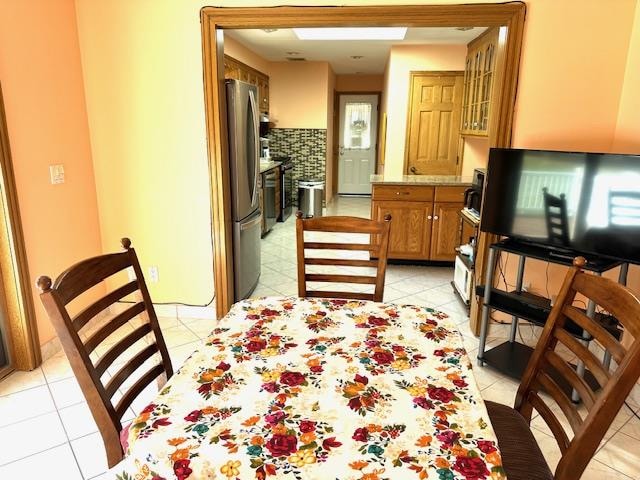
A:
x: 357, y: 127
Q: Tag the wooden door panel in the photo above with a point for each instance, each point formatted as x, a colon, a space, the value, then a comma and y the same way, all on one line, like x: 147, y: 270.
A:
x: 410, y: 232
x: 445, y: 233
x: 435, y: 107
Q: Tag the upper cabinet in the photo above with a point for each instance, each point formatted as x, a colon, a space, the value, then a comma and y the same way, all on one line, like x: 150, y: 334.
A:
x: 479, y: 78
x: 243, y: 72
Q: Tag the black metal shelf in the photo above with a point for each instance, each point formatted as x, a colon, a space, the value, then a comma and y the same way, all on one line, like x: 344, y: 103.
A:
x: 511, y: 359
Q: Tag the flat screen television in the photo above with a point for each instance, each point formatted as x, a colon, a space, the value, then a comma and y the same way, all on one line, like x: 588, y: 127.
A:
x: 576, y: 202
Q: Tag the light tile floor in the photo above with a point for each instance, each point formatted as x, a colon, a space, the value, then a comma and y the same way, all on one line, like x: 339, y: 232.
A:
x: 46, y: 429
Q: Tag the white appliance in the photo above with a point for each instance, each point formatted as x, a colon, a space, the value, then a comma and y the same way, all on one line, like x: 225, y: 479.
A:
x: 244, y: 156
x: 462, y: 276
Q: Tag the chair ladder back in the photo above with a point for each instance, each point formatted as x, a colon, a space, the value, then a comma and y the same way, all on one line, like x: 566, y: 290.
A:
x: 343, y: 225
x: 78, y: 343
x: 546, y: 364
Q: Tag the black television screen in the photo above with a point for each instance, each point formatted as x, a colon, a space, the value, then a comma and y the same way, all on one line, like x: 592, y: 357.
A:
x: 583, y: 202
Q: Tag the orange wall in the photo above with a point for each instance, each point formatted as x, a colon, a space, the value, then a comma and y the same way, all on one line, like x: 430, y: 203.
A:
x: 238, y: 51
x: 402, y: 60
x: 298, y: 94
x: 359, y: 83
x: 47, y: 121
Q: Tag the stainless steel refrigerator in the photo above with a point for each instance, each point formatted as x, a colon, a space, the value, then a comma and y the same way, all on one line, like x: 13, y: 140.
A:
x: 244, y: 156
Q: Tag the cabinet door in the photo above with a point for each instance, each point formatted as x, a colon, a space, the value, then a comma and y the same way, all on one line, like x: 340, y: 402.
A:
x: 264, y: 104
x: 445, y: 233
x: 410, y: 233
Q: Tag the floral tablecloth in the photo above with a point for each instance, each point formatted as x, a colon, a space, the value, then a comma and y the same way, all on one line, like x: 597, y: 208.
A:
x: 289, y: 388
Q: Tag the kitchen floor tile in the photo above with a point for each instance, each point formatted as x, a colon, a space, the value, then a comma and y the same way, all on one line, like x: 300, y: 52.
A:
x: 91, y: 455
x: 18, y: 381
x: 31, y: 436
x: 30, y: 403
x: 56, y: 463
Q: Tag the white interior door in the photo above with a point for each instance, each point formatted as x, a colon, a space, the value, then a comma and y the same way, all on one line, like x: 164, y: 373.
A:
x: 358, y: 137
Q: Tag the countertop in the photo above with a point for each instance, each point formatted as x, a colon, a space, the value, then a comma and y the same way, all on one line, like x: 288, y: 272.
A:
x: 265, y: 166
x: 445, y: 180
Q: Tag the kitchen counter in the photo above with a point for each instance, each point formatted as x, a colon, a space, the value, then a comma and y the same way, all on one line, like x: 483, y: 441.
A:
x: 444, y: 180
x: 266, y: 166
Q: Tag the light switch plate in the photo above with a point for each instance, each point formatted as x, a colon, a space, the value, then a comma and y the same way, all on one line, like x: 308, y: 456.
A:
x: 56, y: 172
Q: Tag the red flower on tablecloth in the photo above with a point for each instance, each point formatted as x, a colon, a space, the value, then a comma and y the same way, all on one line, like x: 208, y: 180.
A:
x: 448, y: 438
x: 282, y: 445
x: 292, y: 379
x: 275, y: 417
x: 152, y: 417
x: 319, y: 321
x: 472, y: 468
x: 255, y: 345
x: 307, y: 426
x: 181, y: 468
x: 213, y: 381
x: 383, y: 357
x: 361, y: 434
x: 486, y: 446
x: 423, y: 403
x: 440, y: 393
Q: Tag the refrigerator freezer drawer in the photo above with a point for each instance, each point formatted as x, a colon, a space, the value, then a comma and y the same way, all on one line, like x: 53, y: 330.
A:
x: 246, y: 255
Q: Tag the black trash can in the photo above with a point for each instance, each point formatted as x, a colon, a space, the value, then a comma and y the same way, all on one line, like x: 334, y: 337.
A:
x: 310, y: 195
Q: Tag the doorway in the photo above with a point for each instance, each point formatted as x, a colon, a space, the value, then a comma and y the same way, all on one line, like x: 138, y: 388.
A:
x: 435, y: 106
x: 508, y: 16
x: 357, y: 140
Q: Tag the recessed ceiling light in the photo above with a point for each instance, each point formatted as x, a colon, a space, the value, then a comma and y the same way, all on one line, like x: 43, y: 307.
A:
x: 292, y: 53
x: 269, y: 30
x: 356, y: 57
x: 348, y: 33
x: 464, y: 29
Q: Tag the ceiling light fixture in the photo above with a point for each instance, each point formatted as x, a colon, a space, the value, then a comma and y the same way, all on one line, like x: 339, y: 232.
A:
x: 349, y: 33
x: 292, y: 53
x: 464, y: 29
x: 356, y: 57
x: 269, y: 30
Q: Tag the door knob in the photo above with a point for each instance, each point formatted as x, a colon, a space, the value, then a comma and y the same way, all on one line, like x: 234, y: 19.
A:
x: 435, y: 217
x: 429, y: 217
x: 413, y: 170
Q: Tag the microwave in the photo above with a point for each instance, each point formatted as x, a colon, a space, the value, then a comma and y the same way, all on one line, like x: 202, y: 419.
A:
x: 473, y: 194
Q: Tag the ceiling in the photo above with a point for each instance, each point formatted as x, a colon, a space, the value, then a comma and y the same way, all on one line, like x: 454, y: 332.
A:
x: 273, y: 46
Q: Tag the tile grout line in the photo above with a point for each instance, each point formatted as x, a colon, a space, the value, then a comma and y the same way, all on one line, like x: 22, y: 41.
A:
x: 64, y: 429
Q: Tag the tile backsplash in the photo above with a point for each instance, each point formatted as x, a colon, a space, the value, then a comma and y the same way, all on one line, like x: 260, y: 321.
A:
x: 307, y: 148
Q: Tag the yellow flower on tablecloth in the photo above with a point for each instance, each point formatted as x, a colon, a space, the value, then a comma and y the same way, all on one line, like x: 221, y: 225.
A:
x: 302, y: 458
x: 271, y: 376
x: 417, y: 391
x: 400, y: 364
x: 269, y: 352
x: 230, y: 469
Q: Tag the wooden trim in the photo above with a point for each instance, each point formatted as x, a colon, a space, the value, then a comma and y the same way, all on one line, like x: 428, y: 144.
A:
x: 427, y: 73
x: 509, y: 14
x: 23, y: 341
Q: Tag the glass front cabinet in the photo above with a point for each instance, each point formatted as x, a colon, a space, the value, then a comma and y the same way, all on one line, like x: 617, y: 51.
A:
x: 479, y: 78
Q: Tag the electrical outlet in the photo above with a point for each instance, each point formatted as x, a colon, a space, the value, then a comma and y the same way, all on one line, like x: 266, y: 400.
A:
x: 131, y: 274
x: 153, y: 274
x: 56, y: 173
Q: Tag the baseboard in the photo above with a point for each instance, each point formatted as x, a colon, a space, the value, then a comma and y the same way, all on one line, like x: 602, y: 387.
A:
x: 50, y: 348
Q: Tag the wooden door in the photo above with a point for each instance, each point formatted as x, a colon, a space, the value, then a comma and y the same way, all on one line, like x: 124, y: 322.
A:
x: 445, y: 233
x: 435, y: 106
x: 410, y: 232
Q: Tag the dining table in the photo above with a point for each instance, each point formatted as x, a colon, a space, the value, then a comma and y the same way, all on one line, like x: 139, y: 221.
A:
x: 310, y: 388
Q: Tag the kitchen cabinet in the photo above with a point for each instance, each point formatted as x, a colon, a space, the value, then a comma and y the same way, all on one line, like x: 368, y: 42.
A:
x: 269, y: 186
x: 479, y: 79
x: 424, y: 220
x: 240, y: 71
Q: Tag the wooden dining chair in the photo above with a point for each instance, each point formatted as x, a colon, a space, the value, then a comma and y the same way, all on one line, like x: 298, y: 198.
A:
x: 377, y: 248
x: 81, y: 333
x: 522, y: 458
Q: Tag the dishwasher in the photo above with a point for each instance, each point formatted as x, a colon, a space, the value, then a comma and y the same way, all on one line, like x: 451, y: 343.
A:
x: 269, y: 188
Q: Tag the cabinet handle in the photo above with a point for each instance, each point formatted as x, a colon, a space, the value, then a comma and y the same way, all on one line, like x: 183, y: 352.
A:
x: 402, y: 193
x: 435, y: 217
x: 429, y: 217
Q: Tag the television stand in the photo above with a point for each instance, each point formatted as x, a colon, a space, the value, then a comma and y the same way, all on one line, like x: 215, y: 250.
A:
x: 511, y: 357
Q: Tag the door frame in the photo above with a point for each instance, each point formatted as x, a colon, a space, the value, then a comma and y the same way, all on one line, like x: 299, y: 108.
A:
x: 336, y: 134
x: 214, y: 19
x: 15, y: 291
x: 434, y: 73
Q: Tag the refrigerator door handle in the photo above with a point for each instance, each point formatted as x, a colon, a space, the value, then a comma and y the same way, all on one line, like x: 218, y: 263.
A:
x: 256, y: 145
x: 251, y: 223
